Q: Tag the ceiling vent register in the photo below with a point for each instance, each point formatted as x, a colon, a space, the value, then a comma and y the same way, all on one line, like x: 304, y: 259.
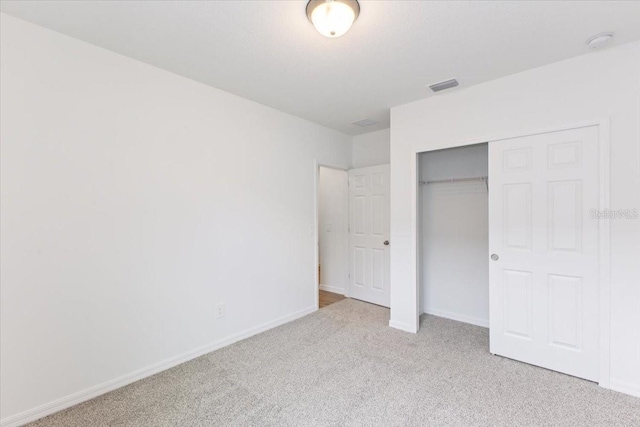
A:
x: 447, y: 84
x: 364, y: 123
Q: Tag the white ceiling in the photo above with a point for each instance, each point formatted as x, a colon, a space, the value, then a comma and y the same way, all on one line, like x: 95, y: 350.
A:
x: 267, y: 51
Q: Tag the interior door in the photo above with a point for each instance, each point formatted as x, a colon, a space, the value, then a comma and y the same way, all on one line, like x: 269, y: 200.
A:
x: 544, y: 250
x: 369, y: 234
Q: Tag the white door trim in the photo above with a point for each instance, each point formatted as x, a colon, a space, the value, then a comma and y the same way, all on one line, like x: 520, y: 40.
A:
x: 604, y: 236
x: 316, y: 231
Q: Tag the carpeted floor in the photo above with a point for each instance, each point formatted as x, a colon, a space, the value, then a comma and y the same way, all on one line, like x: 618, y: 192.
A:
x: 344, y: 366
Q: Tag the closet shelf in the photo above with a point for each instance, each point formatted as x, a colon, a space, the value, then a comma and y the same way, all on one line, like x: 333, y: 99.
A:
x: 444, y: 181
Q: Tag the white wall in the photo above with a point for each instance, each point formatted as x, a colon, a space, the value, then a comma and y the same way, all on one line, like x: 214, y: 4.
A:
x: 587, y: 88
x: 370, y: 149
x: 133, y: 201
x: 454, y: 242
x: 333, y: 235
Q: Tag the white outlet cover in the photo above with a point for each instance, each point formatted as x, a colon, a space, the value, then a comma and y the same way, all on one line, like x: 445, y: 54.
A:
x: 220, y: 310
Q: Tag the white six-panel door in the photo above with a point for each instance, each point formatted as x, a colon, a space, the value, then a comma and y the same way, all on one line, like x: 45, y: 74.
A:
x: 369, y: 234
x: 544, y: 246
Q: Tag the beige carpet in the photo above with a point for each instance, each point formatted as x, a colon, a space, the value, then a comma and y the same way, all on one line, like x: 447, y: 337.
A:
x: 344, y: 366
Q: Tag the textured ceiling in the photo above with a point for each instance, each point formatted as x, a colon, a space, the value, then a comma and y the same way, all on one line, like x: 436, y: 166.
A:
x: 267, y: 51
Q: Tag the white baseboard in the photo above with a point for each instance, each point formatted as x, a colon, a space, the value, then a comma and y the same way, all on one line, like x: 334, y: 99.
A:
x: 334, y: 289
x: 458, y: 317
x: 402, y: 326
x: 624, y: 387
x: 107, y: 386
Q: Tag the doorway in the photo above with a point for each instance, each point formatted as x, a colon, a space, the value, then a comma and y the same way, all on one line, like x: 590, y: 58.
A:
x: 352, y: 229
x: 333, y: 235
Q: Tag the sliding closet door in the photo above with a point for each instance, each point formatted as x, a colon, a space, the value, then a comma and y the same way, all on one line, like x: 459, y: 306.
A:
x: 544, y: 250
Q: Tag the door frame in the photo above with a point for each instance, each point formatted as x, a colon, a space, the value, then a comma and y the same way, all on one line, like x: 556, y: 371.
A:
x: 604, y: 226
x: 316, y: 226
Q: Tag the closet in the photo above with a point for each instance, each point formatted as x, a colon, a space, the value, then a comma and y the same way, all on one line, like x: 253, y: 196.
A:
x: 454, y: 234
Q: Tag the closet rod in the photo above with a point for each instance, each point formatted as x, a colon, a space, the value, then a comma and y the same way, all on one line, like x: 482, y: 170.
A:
x: 442, y: 181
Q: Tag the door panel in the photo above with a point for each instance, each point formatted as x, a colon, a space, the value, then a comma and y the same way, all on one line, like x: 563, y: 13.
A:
x: 565, y: 314
x: 544, y: 284
x: 368, y: 230
x: 517, y: 303
x: 517, y: 216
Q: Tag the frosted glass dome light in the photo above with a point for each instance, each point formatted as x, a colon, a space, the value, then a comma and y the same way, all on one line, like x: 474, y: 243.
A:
x: 333, y: 18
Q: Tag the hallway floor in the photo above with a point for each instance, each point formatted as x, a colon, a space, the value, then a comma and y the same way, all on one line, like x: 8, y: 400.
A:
x: 328, y: 298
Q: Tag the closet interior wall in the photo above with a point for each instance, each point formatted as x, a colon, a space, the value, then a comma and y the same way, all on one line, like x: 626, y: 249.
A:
x: 454, y: 227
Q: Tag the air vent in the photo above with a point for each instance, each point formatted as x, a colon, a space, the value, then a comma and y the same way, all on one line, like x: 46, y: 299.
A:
x: 364, y: 123
x: 447, y: 84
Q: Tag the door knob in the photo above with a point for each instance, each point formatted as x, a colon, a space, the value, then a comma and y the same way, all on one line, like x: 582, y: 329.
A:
x: 386, y: 243
x: 495, y: 257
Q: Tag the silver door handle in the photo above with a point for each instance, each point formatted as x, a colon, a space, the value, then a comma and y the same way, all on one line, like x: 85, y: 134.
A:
x: 495, y: 257
x: 386, y: 243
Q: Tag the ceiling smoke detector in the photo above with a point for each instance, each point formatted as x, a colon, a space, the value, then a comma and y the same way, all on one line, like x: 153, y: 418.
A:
x: 447, y: 84
x: 364, y: 123
x: 600, y: 40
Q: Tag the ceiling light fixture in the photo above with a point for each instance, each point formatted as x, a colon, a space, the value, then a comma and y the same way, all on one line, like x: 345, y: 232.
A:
x: 333, y: 18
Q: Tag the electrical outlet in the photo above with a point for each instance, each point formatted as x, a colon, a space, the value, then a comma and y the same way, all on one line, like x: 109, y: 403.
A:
x: 220, y: 310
